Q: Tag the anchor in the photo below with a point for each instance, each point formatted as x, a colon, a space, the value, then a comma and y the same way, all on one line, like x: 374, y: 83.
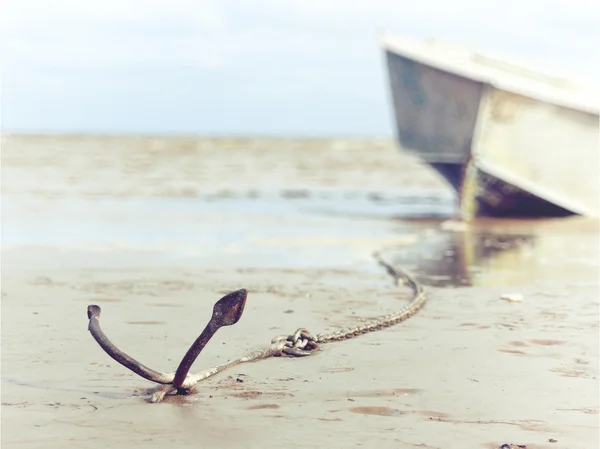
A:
x: 226, y: 312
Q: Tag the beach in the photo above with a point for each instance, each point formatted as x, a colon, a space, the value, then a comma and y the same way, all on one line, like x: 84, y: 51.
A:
x: 156, y: 229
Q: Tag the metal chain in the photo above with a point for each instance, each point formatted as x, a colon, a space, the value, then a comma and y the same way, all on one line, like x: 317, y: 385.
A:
x: 302, y: 342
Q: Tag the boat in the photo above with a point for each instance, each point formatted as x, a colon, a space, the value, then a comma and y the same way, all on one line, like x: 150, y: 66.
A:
x: 511, y: 141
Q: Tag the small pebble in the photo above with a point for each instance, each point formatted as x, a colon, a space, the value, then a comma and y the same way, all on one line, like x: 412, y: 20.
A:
x: 512, y: 297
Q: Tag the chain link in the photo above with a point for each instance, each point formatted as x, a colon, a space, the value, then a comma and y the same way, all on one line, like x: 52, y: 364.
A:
x: 300, y: 343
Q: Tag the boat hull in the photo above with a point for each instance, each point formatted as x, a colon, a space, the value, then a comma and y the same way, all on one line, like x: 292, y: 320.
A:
x: 505, y: 153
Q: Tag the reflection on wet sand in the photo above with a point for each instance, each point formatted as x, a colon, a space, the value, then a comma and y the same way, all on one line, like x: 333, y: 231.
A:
x: 489, y: 253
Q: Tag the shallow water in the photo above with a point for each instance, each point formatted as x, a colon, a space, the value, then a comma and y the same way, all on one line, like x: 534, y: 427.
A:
x: 317, y: 230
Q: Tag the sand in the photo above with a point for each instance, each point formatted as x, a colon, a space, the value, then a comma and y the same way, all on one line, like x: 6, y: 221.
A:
x: 155, y: 230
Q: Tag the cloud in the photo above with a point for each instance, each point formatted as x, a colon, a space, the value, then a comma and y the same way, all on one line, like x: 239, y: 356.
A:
x: 208, y: 33
x: 256, y: 55
x: 23, y: 15
x: 70, y: 33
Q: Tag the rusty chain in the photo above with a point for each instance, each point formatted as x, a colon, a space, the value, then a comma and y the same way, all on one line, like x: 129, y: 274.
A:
x: 303, y: 343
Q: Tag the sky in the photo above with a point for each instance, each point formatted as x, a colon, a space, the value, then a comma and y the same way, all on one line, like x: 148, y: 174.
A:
x: 251, y: 67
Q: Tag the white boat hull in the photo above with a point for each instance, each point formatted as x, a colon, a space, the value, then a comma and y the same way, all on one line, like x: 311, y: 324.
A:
x: 508, y: 147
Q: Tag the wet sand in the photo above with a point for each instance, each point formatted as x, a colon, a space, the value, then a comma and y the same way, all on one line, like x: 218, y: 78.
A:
x: 156, y: 230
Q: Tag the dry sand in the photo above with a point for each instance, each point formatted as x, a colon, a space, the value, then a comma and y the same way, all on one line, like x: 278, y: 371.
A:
x: 156, y: 230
